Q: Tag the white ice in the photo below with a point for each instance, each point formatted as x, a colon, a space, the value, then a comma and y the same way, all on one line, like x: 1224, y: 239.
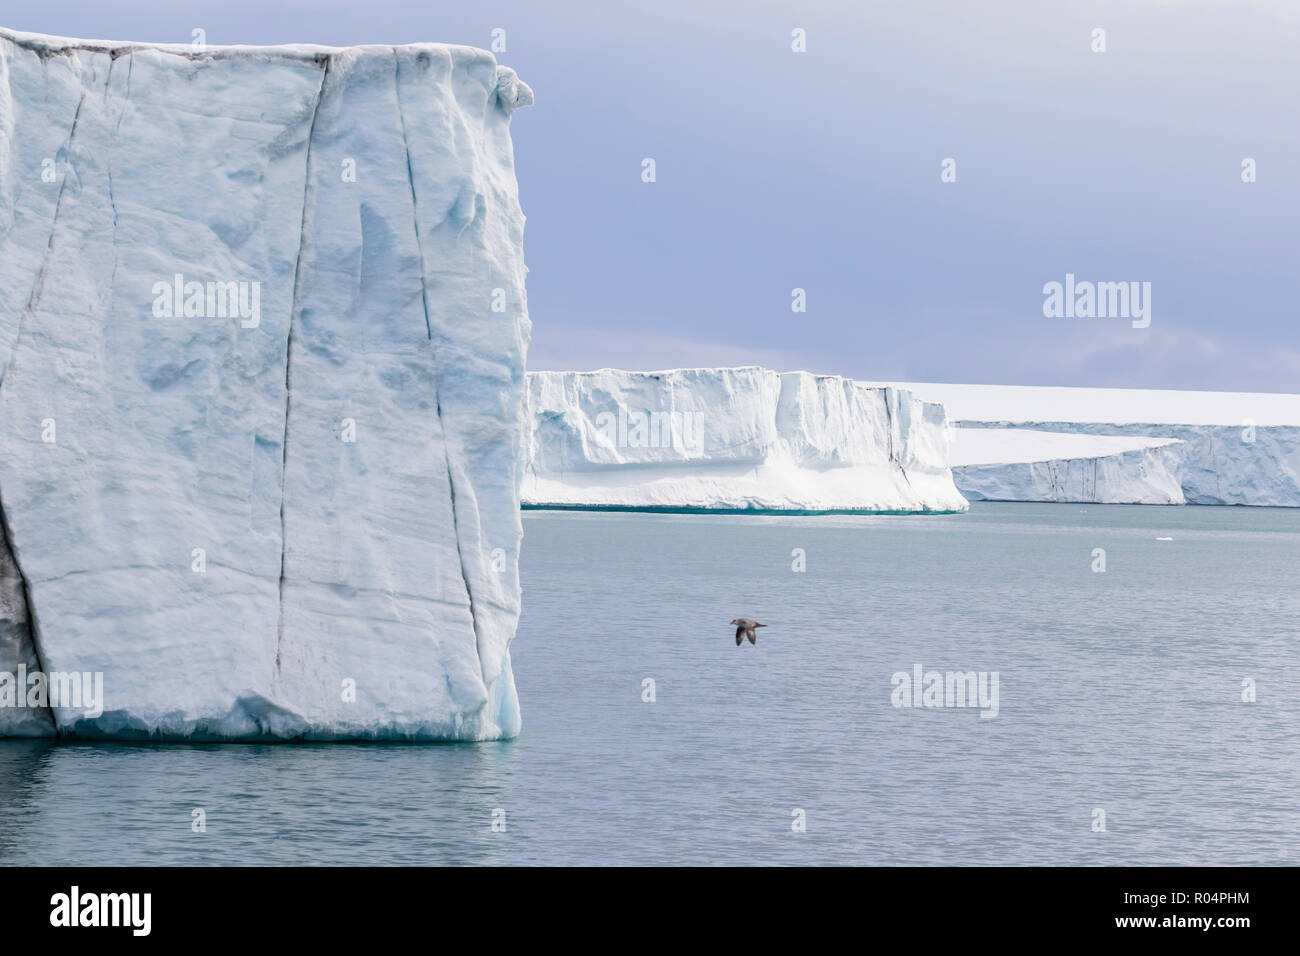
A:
x: 302, y: 522
x: 1239, y: 448
x: 746, y: 439
x: 1024, y: 464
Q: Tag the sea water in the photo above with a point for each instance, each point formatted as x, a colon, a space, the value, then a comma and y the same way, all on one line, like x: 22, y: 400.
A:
x: 1147, y: 713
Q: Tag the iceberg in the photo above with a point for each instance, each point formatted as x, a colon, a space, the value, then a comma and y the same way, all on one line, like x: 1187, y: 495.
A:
x: 1024, y: 464
x: 733, y: 440
x: 1238, y: 448
x: 262, y: 336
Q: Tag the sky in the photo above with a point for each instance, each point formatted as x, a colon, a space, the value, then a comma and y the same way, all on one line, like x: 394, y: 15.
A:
x: 821, y: 170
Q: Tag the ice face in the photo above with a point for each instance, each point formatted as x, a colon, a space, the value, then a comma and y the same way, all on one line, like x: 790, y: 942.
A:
x: 1244, y: 464
x: 1239, y: 448
x: 734, y: 439
x: 262, y: 333
x: 1022, y: 464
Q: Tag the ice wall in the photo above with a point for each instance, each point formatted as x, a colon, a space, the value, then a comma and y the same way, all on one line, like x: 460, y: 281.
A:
x: 1017, y: 464
x: 1223, y: 464
x: 733, y: 439
x: 281, y: 500
x: 1240, y: 448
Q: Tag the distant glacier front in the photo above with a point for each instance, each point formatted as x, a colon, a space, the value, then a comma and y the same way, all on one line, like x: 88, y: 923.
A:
x: 743, y: 439
x: 1030, y: 464
x: 754, y: 440
x: 1123, y: 445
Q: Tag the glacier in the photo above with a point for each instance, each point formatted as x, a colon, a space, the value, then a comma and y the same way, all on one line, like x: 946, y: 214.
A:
x: 744, y: 439
x: 262, y: 338
x: 1025, y: 464
x: 751, y: 439
x: 1239, y: 448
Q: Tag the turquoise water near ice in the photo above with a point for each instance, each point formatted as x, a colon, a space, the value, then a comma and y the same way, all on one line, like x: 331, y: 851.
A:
x: 1119, y: 691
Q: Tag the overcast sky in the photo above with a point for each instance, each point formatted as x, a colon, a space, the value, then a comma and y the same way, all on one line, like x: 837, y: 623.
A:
x: 821, y: 170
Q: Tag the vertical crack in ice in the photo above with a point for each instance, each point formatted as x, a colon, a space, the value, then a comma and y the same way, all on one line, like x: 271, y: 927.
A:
x: 415, y: 218
x: 25, y: 595
x: 890, y: 394
x: 288, y: 352
x: 889, y: 424
x: 1214, y: 470
x: 437, y: 401
x: 130, y: 67
x: 108, y: 165
x: 35, y: 297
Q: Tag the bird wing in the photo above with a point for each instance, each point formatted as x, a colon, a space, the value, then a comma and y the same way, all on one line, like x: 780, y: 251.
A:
x: 753, y: 638
x: 740, y: 634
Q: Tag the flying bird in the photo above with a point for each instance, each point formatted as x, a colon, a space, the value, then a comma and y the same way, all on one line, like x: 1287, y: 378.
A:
x: 745, y: 629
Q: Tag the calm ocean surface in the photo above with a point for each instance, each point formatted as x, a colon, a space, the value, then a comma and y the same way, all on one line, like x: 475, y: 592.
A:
x: 1119, y: 691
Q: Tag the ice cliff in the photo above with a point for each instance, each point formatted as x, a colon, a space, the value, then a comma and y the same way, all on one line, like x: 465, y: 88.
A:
x: 262, y: 334
x: 733, y: 439
x: 1239, y: 448
x: 1023, y: 464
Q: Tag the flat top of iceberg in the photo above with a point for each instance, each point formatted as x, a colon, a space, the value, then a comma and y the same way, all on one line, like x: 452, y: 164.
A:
x: 54, y: 44
x: 670, y: 371
x: 1116, y: 406
x: 1005, y: 446
x: 699, y: 371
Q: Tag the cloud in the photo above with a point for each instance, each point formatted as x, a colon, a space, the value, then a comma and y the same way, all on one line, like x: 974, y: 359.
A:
x: 1106, y: 354
x: 579, y: 348
x: 1081, y: 353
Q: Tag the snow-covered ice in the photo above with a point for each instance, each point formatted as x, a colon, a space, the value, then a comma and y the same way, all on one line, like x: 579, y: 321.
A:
x: 289, y: 507
x: 1108, y: 406
x: 1024, y: 464
x: 733, y: 439
x: 1239, y: 448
